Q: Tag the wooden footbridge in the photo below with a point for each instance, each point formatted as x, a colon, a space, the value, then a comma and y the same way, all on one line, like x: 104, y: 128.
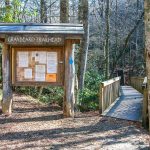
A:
x: 125, y: 102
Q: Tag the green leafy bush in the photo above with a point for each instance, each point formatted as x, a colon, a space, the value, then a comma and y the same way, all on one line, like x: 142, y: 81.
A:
x: 53, y: 94
x: 89, y: 97
x: 48, y: 95
x: 88, y: 100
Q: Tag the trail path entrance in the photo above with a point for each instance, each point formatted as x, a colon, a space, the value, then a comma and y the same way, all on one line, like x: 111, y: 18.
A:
x: 36, y: 126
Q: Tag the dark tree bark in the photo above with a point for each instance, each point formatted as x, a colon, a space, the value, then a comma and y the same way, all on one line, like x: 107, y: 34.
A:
x: 43, y: 11
x: 107, y: 39
x: 64, y: 11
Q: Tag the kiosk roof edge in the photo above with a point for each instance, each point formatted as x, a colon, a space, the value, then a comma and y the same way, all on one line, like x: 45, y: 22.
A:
x: 7, y: 28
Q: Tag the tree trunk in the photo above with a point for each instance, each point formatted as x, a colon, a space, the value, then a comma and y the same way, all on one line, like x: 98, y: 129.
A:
x: 43, y: 12
x: 137, y: 34
x: 64, y: 11
x: 50, y: 12
x: 73, y: 18
x: 147, y: 50
x: 107, y: 39
x: 83, y: 52
x: 69, y: 97
x: 116, y: 33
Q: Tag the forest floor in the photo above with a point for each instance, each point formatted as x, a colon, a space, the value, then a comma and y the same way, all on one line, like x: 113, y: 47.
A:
x: 39, y: 127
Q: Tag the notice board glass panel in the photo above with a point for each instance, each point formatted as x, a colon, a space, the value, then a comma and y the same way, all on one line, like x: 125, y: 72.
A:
x: 38, y: 65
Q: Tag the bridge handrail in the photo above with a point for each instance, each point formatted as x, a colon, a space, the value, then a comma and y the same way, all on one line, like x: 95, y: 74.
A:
x: 109, y: 92
x: 137, y: 82
x: 140, y: 84
x: 110, y: 81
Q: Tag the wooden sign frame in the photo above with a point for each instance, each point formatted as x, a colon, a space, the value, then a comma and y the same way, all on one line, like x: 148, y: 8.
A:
x: 35, y: 39
x: 60, y: 68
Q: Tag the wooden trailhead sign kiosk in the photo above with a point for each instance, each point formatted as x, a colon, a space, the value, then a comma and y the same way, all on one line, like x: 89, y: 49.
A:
x: 39, y: 55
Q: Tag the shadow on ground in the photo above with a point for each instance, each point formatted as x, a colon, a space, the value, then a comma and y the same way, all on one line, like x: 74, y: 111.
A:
x: 80, y: 132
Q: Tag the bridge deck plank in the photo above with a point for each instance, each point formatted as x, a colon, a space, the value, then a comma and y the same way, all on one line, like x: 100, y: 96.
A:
x: 128, y: 106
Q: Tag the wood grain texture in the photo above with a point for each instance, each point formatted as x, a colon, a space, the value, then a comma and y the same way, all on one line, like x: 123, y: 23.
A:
x: 147, y: 48
x: 69, y: 97
x: 7, y: 87
x: 109, y: 92
x: 137, y: 82
x: 128, y: 106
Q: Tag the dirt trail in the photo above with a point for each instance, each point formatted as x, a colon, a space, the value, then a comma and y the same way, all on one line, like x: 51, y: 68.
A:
x: 39, y: 127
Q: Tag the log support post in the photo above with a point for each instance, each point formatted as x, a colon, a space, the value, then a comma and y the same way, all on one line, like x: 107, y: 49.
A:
x: 147, y: 49
x: 7, y: 88
x: 69, y: 97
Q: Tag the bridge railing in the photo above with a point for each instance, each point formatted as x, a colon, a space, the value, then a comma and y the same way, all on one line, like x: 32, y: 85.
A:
x: 137, y: 82
x: 140, y: 84
x: 109, y: 92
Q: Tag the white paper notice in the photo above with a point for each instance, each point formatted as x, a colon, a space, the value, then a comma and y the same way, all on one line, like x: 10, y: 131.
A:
x: 40, y: 73
x: 23, y: 59
x: 42, y: 57
x: 28, y: 73
x: 39, y: 76
x: 51, y: 62
x: 33, y: 53
x: 40, y: 68
x: 39, y: 56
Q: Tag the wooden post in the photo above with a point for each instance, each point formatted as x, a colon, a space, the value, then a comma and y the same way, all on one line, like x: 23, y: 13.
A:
x: 145, y: 108
x: 7, y: 89
x: 69, y: 97
x: 100, y: 98
x: 147, y: 49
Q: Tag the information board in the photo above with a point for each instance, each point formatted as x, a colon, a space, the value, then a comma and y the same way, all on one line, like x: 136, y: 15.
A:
x: 38, y: 65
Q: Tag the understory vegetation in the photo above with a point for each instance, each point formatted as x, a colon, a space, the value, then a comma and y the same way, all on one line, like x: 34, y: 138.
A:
x: 89, y: 97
